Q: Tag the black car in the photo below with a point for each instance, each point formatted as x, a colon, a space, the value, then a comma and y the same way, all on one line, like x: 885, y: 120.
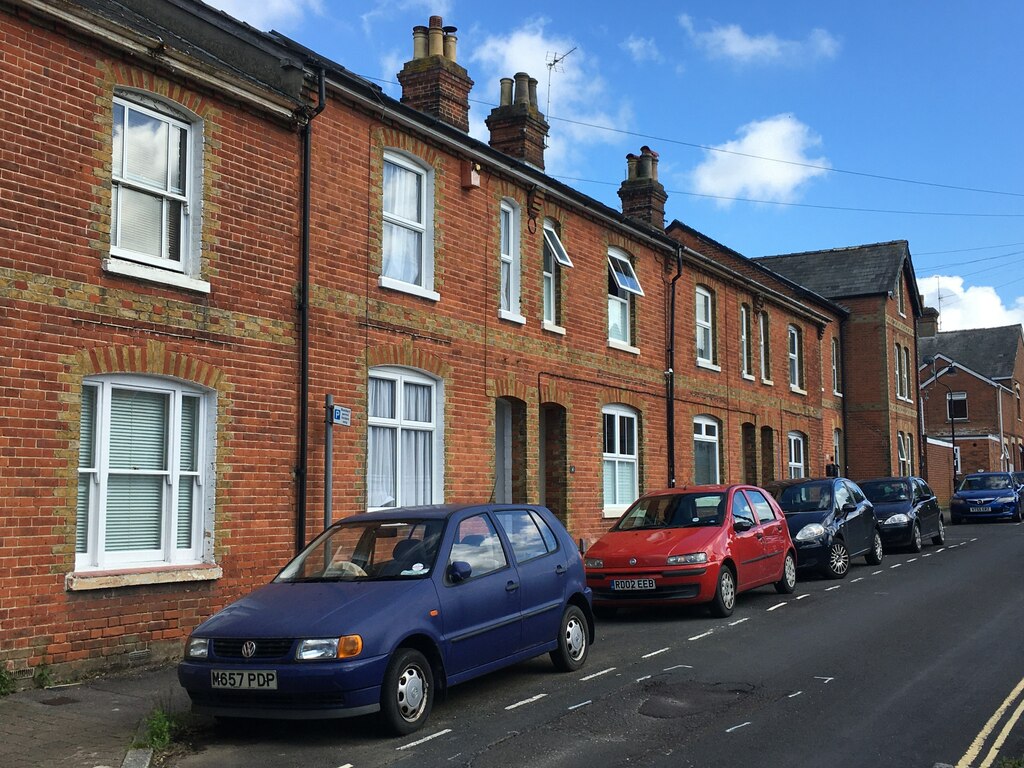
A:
x: 986, y: 496
x: 831, y: 521
x: 907, y: 511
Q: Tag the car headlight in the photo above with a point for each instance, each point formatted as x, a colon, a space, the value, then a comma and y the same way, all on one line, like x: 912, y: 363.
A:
x: 898, y: 519
x: 594, y: 562
x: 692, y: 558
x: 312, y: 649
x: 956, y: 501
x: 811, y: 532
x: 197, y: 648
x: 1006, y: 500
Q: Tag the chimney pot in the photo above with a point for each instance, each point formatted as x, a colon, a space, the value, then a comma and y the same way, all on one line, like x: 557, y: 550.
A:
x: 450, y: 41
x: 432, y: 81
x: 522, y: 88
x: 506, y: 92
x: 436, y: 21
x: 643, y: 197
x: 517, y: 127
x: 419, y: 42
x: 533, y: 93
x: 435, y: 39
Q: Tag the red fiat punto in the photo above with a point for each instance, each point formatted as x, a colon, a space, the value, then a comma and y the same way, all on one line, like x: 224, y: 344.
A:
x: 701, y: 544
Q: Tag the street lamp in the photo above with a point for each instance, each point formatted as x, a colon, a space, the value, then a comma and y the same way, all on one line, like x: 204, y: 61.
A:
x: 950, y: 369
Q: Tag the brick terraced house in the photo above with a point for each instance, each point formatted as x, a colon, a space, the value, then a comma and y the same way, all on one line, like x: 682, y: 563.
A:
x: 209, y: 231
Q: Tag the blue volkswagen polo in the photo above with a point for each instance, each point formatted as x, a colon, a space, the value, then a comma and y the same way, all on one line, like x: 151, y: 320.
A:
x: 385, y: 609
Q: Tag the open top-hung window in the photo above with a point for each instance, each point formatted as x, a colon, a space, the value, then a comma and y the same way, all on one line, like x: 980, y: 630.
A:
x: 622, y: 286
x: 151, y: 184
x: 142, y: 492
x: 555, y: 259
x: 407, y: 259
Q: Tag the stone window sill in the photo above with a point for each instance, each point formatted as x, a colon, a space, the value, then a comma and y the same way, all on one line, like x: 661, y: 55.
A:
x: 81, y: 581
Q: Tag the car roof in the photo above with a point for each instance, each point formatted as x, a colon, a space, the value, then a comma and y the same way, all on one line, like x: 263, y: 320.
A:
x: 987, y: 474
x: 889, y: 478
x: 698, y: 489
x: 431, y: 511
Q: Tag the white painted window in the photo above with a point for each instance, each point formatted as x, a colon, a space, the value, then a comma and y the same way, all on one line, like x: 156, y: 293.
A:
x: 796, y: 358
x: 555, y: 258
x: 956, y: 405
x: 746, y: 354
x: 900, y: 297
x: 906, y: 373
x: 797, y: 454
x: 621, y: 458
x: 408, y: 254
x: 764, y: 346
x: 901, y: 448
x: 623, y: 285
x: 837, y: 448
x: 707, y: 433
x: 837, y: 383
x: 155, y: 184
x: 144, y: 472
x: 404, y: 439
x: 705, y: 324
x: 510, y: 262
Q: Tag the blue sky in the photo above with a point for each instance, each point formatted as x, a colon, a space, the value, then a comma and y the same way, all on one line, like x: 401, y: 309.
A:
x: 894, y: 121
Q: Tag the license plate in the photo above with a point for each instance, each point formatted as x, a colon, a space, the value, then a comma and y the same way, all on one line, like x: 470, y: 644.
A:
x: 981, y: 509
x: 264, y: 679
x: 629, y: 584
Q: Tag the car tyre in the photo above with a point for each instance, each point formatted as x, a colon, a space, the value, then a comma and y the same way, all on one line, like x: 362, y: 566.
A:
x: 915, y: 539
x: 954, y: 520
x: 724, y: 601
x: 838, y: 563
x: 877, y: 552
x: 407, y: 694
x: 1016, y: 515
x: 940, y: 536
x: 787, y: 583
x: 573, y: 641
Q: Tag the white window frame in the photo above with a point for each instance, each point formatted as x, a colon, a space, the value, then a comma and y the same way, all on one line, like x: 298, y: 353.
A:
x: 764, y: 346
x: 424, y: 227
x: 796, y: 361
x: 898, y: 370
x: 901, y: 454
x: 901, y: 305
x: 554, y: 257
x: 797, y: 454
x: 837, y: 383
x: 909, y: 437
x: 622, y: 418
x: 906, y: 375
x: 950, y: 397
x: 184, y: 270
x: 708, y: 431
x: 837, y: 448
x: 623, y: 285
x: 704, y: 312
x: 511, y: 262
x: 399, y: 424
x: 746, y: 349
x: 94, y: 556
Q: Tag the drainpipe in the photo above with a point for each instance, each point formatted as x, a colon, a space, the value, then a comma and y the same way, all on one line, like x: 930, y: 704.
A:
x: 302, y: 471
x: 1002, y: 449
x: 670, y: 374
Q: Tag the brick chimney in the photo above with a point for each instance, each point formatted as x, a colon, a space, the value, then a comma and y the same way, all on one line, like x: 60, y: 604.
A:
x: 643, y: 197
x: 432, y: 82
x: 928, y: 324
x: 517, y: 127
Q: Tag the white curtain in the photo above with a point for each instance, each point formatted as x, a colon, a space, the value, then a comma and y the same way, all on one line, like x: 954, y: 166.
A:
x: 417, y: 465
x: 381, y: 471
x: 403, y: 245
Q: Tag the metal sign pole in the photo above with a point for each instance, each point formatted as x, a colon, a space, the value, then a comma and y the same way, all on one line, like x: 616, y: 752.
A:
x: 328, y: 459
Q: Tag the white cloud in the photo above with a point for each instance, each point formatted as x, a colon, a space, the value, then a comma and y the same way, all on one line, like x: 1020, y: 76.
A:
x: 270, y: 14
x: 729, y: 41
x: 782, y: 137
x: 578, y: 92
x: 385, y: 10
x: 641, y: 48
x: 968, y: 306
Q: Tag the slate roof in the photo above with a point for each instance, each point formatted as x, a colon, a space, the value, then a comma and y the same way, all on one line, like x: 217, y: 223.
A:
x: 991, y: 352
x: 836, y: 273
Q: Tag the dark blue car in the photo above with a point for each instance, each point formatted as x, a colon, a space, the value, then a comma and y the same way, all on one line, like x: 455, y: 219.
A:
x: 385, y: 609
x: 907, y: 511
x: 830, y: 521
x: 985, y: 496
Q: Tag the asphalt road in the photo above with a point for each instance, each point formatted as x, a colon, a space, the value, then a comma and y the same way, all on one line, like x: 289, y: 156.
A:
x: 910, y: 663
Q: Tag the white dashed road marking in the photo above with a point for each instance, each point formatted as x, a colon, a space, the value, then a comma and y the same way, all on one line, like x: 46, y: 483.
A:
x: 530, y: 700
x: 896, y: 566
x: 654, y: 653
x: 738, y: 621
x: 698, y: 637
x: 876, y: 573
x: 777, y: 605
x: 677, y: 666
x: 832, y: 589
x: 801, y: 597
x: 737, y: 727
x: 597, y: 674
x: 581, y: 704
x: 859, y: 578
x: 794, y: 695
x: 641, y: 679
x: 825, y: 680
x: 425, y: 739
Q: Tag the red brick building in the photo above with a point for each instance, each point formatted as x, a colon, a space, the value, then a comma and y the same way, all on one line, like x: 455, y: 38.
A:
x: 971, y: 386
x: 223, y: 230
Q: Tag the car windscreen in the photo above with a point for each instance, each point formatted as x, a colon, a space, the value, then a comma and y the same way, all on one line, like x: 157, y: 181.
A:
x: 985, y: 483
x: 368, y: 550
x: 682, y: 510
x: 814, y: 495
x: 886, y: 491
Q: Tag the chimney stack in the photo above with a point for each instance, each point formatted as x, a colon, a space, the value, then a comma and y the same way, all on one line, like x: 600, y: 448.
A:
x: 517, y: 126
x: 432, y: 81
x: 928, y: 324
x: 643, y: 197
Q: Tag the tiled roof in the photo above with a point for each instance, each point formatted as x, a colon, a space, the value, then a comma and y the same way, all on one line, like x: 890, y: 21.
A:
x: 989, y: 351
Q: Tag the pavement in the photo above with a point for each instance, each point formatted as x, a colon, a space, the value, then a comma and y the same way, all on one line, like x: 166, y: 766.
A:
x: 97, y: 723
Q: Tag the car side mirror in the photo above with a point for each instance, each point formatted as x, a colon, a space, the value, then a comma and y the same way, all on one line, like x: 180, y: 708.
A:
x: 848, y: 507
x: 459, y: 571
x: 742, y: 525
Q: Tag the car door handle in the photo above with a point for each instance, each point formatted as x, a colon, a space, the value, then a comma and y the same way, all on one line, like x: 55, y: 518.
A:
x: 512, y: 586
x: 560, y: 569
x: 759, y: 535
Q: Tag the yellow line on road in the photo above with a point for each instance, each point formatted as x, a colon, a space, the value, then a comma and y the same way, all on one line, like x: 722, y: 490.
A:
x: 979, y: 741
x: 1001, y: 738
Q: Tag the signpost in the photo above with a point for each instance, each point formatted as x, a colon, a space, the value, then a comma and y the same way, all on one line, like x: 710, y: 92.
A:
x: 335, y: 414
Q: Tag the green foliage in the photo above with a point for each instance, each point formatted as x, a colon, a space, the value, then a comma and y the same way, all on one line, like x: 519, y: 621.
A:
x: 160, y: 728
x: 1010, y: 762
x: 7, y: 683
x: 42, y: 677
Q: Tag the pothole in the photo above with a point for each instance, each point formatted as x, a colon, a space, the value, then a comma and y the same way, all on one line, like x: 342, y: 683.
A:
x: 666, y: 701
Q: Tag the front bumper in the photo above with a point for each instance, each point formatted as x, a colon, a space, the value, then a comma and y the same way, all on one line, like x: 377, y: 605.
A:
x: 899, y: 535
x: 307, y: 690
x: 986, y: 512
x: 811, y: 555
x: 683, y: 584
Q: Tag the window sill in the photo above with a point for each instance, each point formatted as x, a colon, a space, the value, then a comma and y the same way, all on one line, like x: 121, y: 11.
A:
x: 797, y: 390
x: 708, y: 365
x: 612, y: 512
x: 512, y: 317
x: 748, y: 377
x: 81, y: 581
x: 621, y: 345
x: 410, y: 288
x: 837, y: 393
x: 552, y: 328
x: 768, y: 382
x: 138, y: 271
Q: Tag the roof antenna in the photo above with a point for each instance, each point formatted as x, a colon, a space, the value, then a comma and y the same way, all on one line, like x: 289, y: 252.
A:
x: 554, y: 62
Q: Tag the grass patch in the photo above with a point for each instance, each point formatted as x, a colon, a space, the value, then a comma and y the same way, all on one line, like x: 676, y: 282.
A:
x: 1011, y: 762
x: 7, y: 682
